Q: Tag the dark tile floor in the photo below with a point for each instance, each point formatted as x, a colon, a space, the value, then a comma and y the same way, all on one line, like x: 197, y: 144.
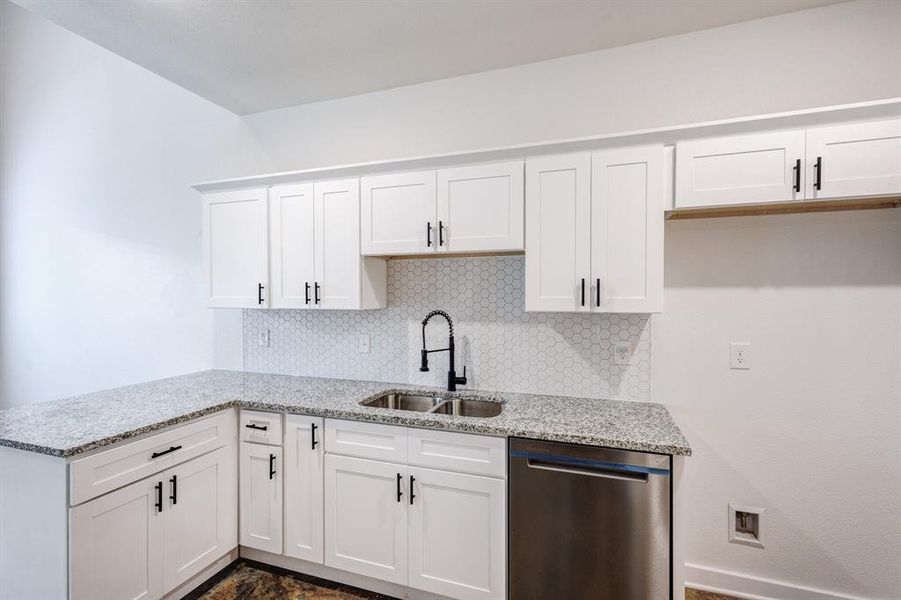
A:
x: 252, y: 581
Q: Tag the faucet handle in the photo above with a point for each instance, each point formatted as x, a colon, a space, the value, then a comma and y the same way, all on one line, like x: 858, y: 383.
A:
x: 462, y: 380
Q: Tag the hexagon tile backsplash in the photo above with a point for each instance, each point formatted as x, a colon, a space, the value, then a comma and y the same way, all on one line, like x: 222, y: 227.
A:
x: 503, y: 347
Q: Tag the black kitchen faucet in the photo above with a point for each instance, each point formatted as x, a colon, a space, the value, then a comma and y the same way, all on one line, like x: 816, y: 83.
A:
x: 452, y: 379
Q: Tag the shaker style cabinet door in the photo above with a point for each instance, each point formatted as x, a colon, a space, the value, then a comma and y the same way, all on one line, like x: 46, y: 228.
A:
x: 558, y: 231
x: 398, y: 214
x: 116, y: 544
x: 854, y: 161
x: 338, y: 248
x: 235, y: 249
x: 480, y: 208
x: 366, y: 517
x: 458, y: 542
x: 742, y: 169
x: 201, y: 508
x: 627, y: 216
x: 292, y: 244
x: 304, y: 452
x: 261, y: 497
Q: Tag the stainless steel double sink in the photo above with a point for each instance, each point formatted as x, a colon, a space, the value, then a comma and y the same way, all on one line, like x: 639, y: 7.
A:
x: 461, y: 407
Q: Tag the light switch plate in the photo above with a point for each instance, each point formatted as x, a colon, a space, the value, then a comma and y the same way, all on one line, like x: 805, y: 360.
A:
x: 264, y: 339
x: 622, y: 353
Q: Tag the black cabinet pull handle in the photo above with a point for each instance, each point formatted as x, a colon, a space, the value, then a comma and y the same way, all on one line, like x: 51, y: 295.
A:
x: 440, y: 233
x: 255, y: 426
x: 798, y: 175
x: 306, y: 292
x: 174, y: 496
x: 818, y: 168
x: 313, y: 428
x: 260, y: 288
x: 599, y: 292
x: 159, y: 496
x: 316, y: 297
x: 165, y: 452
x: 412, y: 495
x: 399, y: 493
x: 271, y: 466
x: 428, y: 234
x: 583, y: 291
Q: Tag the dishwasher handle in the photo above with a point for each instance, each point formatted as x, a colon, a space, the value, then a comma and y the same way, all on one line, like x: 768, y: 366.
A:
x: 588, y: 467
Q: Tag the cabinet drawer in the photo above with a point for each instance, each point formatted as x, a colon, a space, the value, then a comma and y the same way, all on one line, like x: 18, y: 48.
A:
x: 366, y: 440
x: 462, y: 452
x: 111, y: 469
x: 261, y: 427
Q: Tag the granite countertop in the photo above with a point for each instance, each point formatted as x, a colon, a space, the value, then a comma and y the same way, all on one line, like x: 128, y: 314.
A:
x: 73, y: 426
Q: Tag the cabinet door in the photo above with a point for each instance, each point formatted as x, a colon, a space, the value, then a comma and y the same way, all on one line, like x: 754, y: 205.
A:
x: 116, y: 544
x: 398, y: 214
x: 627, y: 230
x: 458, y: 542
x: 261, y: 497
x: 338, y: 243
x: 201, y: 514
x: 366, y: 517
x: 558, y: 227
x: 480, y: 208
x: 863, y: 159
x: 741, y: 169
x: 292, y: 245
x: 303, y: 487
x: 235, y: 253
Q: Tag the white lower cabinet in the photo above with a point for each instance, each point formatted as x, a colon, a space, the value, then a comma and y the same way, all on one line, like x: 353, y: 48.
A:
x: 304, y: 452
x: 147, y: 538
x: 366, y: 518
x: 434, y: 530
x: 457, y: 534
x: 261, y: 497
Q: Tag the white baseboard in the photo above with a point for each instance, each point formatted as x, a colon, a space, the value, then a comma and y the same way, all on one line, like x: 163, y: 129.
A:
x: 708, y: 579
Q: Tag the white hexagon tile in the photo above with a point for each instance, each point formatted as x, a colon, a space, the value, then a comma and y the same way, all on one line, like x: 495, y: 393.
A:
x: 503, y: 347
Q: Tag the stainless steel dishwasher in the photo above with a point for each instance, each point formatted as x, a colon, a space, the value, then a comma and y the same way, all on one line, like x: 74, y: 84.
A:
x: 588, y: 523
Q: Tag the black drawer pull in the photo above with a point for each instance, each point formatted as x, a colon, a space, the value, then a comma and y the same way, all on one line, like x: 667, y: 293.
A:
x: 316, y: 297
x: 412, y: 495
x: 271, y: 466
x: 818, y: 168
x: 440, y: 233
x: 583, y: 291
x: 313, y: 434
x: 174, y: 496
x: 255, y: 426
x: 159, y: 496
x: 165, y: 452
x: 428, y: 234
x: 306, y: 292
x: 798, y: 175
x: 260, y: 288
x: 399, y: 493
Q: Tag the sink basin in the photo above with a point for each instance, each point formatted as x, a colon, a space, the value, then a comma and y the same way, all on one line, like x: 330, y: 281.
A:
x: 469, y: 408
x: 404, y: 402
x: 437, y: 405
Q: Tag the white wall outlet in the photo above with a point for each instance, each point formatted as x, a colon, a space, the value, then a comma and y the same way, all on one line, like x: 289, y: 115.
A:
x: 364, y: 343
x: 622, y: 353
x: 264, y: 339
x: 739, y: 355
x: 746, y: 525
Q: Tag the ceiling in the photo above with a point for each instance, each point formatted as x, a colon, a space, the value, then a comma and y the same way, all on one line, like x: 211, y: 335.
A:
x: 251, y: 56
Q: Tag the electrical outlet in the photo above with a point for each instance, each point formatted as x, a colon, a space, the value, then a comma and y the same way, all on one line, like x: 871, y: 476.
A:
x: 622, y: 353
x: 364, y: 343
x: 264, y: 339
x: 739, y: 355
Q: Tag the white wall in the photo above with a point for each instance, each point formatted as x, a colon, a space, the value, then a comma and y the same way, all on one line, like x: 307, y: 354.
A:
x: 99, y: 232
x: 834, y: 55
x: 812, y: 432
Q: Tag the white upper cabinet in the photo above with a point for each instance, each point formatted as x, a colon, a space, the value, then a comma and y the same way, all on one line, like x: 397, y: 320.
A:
x: 398, y: 214
x: 315, y: 249
x: 627, y: 213
x: 304, y: 451
x: 292, y: 245
x: 854, y: 161
x: 480, y: 208
x: 234, y: 248
x: 741, y: 169
x: 558, y: 231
